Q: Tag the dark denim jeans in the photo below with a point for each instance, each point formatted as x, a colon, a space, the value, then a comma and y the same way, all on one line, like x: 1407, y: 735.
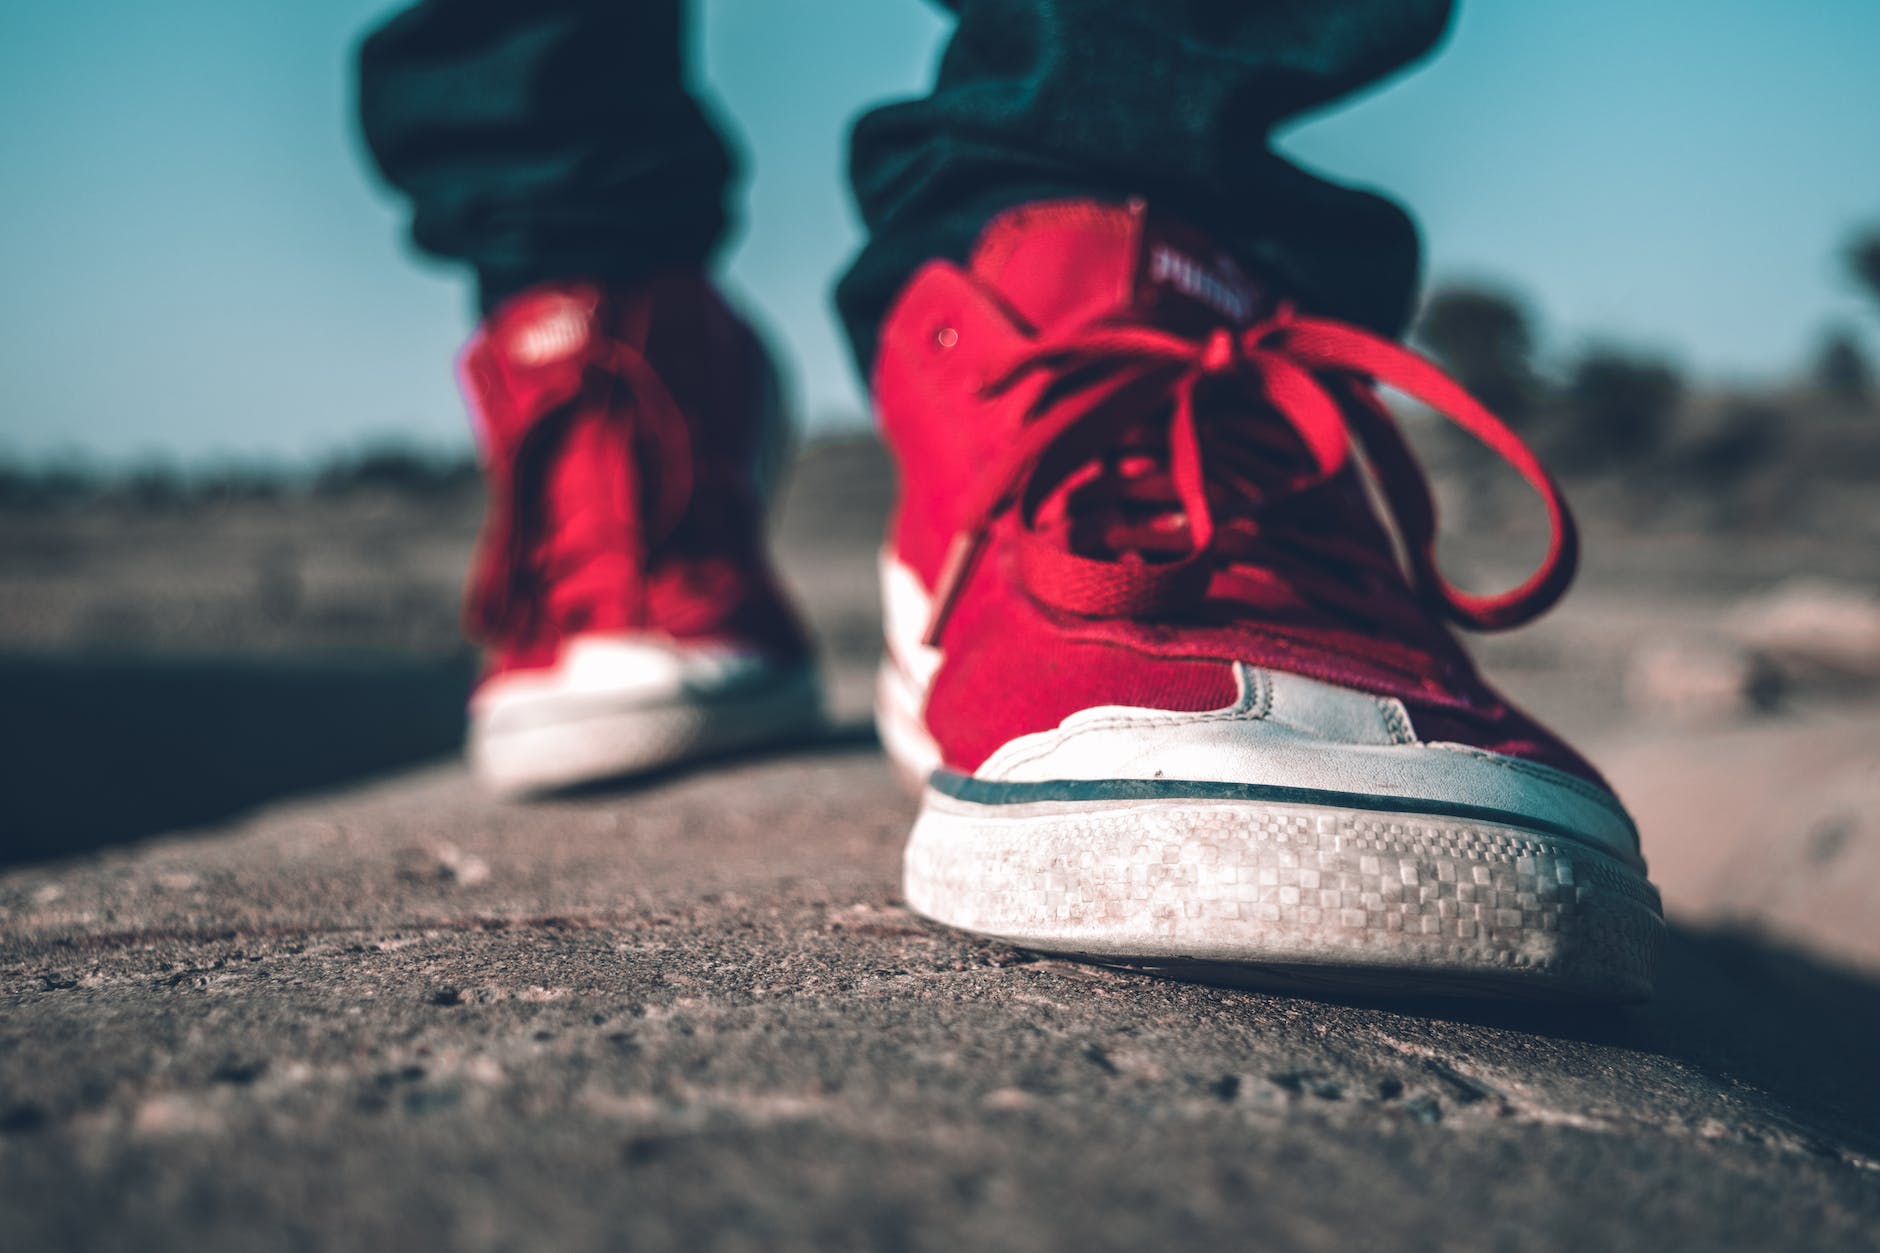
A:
x: 557, y: 137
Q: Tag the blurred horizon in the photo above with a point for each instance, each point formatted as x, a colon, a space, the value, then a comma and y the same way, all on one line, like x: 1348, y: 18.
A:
x: 201, y: 268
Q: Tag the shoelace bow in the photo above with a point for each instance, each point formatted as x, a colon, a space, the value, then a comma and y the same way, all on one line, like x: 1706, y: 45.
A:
x: 1220, y: 469
x: 620, y: 387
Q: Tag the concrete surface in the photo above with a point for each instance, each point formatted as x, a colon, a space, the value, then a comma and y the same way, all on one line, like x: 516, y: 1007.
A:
x: 692, y: 1014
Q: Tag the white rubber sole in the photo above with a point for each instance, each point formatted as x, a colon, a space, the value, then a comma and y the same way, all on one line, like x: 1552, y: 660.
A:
x: 904, y: 738
x: 564, y: 740
x: 1291, y: 896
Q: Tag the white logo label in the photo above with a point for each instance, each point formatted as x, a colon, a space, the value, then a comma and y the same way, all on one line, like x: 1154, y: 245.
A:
x: 1226, y: 294
x: 561, y: 331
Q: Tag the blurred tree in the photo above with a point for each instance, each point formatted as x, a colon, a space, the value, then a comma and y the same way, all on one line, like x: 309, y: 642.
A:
x: 1746, y: 436
x: 1618, y: 408
x: 48, y: 485
x: 155, y: 485
x: 390, y: 467
x: 1486, y: 339
x: 1841, y: 370
x: 1863, y: 261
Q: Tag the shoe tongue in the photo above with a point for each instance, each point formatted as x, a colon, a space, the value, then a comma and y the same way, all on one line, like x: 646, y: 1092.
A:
x: 1062, y: 263
x: 526, y: 361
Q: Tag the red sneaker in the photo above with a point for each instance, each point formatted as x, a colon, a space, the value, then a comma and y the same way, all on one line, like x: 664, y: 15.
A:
x: 621, y: 585
x: 1174, y: 696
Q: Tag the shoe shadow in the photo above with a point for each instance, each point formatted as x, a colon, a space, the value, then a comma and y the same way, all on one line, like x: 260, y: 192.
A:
x: 106, y: 750
x: 1749, y: 1010
x: 1800, y: 1028
x: 1733, y: 1004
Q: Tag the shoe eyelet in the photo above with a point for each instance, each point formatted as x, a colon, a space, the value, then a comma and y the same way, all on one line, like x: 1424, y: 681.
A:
x: 946, y: 337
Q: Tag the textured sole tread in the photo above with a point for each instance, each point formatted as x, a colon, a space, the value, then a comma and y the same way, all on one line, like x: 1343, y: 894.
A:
x: 1294, y: 896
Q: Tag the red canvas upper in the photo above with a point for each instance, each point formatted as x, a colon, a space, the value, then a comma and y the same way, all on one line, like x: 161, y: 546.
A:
x: 620, y: 431
x: 1126, y: 465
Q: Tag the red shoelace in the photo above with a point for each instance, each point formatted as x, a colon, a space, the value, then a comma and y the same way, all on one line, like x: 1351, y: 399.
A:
x: 517, y: 571
x: 1111, y: 525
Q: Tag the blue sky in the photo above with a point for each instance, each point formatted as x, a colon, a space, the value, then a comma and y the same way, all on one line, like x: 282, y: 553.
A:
x: 196, y: 265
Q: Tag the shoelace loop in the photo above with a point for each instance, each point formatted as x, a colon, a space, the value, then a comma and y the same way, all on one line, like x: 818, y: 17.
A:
x: 1104, y: 376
